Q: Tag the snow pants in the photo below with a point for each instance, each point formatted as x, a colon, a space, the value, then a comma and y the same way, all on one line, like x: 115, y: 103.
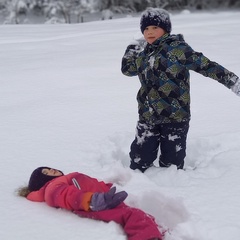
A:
x: 169, y: 137
x: 137, y: 224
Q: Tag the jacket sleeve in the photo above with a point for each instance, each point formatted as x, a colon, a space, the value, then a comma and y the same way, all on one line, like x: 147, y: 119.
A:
x: 129, y: 67
x: 197, y: 62
x: 66, y: 196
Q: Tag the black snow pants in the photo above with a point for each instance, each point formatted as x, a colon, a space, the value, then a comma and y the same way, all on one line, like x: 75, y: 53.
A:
x: 169, y: 137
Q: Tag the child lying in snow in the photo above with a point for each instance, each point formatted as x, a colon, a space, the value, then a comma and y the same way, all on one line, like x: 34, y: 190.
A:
x: 90, y: 198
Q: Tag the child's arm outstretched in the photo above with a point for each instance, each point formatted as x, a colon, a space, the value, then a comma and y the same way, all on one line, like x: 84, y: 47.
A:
x: 197, y: 62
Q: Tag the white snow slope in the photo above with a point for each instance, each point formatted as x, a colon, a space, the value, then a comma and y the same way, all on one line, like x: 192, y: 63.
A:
x: 65, y: 104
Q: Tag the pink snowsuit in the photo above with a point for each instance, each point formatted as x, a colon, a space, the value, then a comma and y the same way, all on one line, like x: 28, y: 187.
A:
x: 74, y: 191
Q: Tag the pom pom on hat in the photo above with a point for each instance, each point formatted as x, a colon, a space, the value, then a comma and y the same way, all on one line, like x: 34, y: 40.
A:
x: 155, y: 17
x: 38, y: 179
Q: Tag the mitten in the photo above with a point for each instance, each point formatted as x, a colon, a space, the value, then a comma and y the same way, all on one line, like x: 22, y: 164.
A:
x: 108, y: 200
x: 236, y: 87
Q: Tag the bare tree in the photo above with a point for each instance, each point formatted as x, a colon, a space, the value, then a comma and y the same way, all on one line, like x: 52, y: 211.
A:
x: 57, y: 11
x: 84, y: 6
x: 15, y: 9
x: 64, y: 10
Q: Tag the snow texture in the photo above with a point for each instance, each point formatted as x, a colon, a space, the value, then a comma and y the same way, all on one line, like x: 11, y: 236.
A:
x: 153, y: 12
x: 65, y: 104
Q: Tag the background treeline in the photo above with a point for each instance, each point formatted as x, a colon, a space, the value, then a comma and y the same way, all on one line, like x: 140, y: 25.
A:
x: 67, y: 11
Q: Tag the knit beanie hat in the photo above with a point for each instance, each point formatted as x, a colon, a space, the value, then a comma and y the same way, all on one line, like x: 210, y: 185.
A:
x: 156, y: 17
x: 38, y: 179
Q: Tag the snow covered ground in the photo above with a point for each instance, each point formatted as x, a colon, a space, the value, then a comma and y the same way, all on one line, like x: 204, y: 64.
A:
x: 64, y: 103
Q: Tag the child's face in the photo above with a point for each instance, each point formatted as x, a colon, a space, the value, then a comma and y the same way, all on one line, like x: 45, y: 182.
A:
x: 152, y: 33
x: 51, y: 172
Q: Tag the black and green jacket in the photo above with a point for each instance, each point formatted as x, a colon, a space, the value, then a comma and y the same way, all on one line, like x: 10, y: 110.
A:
x: 163, y: 69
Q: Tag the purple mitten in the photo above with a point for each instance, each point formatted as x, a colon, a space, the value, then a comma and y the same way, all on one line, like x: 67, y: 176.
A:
x: 113, y: 199
x: 108, y: 200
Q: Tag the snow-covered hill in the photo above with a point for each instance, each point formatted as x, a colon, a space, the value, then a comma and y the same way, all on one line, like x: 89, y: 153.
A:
x: 64, y: 103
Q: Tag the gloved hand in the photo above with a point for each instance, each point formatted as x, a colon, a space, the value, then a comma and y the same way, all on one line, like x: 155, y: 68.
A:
x: 139, y: 43
x: 108, y: 200
x: 236, y: 87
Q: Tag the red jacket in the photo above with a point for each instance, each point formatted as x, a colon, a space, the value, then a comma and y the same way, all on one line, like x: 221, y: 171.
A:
x: 72, y: 191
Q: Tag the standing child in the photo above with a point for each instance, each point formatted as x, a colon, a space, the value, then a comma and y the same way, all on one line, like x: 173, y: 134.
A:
x: 87, y: 197
x: 162, y: 62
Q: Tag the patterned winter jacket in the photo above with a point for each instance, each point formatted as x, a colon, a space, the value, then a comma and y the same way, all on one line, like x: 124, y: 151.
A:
x: 72, y: 191
x: 163, y: 69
